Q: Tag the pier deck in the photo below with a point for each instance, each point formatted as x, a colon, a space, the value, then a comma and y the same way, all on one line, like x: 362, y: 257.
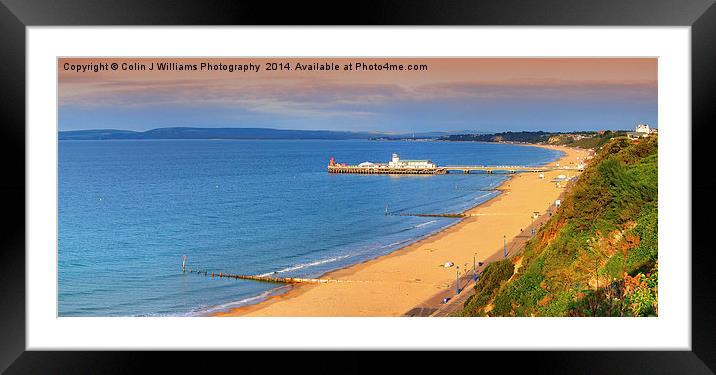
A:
x: 506, y: 168
x: 374, y: 170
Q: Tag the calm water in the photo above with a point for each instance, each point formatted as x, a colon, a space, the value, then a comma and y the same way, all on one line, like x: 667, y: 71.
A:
x: 128, y: 211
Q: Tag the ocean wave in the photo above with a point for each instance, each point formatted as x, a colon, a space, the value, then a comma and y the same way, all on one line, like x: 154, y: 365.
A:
x: 424, y: 224
x: 484, y: 195
x: 305, y: 265
x: 208, y: 310
x: 243, y: 302
x: 395, y: 243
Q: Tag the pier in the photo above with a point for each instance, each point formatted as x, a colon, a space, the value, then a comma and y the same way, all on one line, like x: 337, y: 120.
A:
x: 466, y: 169
x: 397, y: 166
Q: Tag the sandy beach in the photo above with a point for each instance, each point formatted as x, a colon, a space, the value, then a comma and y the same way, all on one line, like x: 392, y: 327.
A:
x: 393, y: 284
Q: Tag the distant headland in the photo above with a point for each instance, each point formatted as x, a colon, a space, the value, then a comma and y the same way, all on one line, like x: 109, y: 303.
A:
x: 238, y: 133
x: 585, y: 139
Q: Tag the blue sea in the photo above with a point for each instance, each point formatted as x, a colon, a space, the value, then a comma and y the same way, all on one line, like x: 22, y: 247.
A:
x: 129, y: 210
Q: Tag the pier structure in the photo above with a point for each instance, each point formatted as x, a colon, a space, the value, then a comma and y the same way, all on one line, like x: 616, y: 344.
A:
x: 394, y: 166
x: 397, y: 166
x: 354, y: 169
x: 467, y: 169
x: 401, y: 166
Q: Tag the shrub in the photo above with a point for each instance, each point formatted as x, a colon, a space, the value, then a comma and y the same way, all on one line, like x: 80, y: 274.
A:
x: 494, y: 275
x: 640, y: 294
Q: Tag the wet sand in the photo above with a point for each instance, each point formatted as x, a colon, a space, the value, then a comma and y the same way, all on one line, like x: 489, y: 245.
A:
x: 393, y: 284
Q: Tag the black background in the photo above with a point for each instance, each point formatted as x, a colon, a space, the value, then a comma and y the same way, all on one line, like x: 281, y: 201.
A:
x: 15, y: 15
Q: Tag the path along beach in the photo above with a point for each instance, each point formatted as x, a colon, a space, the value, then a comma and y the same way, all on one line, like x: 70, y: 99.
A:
x: 393, y: 284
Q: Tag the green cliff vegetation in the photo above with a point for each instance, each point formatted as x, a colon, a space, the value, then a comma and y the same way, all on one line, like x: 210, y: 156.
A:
x: 597, y: 254
x: 593, y: 140
x: 584, y: 139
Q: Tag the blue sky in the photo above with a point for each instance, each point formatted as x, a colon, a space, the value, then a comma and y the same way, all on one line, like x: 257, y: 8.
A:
x: 571, y: 95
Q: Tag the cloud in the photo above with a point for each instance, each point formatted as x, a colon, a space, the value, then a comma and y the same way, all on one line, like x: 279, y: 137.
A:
x: 326, y: 98
x: 540, y: 89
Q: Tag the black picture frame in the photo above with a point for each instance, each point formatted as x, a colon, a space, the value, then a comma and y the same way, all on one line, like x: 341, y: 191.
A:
x: 16, y: 15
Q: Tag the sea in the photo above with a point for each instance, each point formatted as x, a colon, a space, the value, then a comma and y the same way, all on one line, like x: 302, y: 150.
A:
x: 129, y: 210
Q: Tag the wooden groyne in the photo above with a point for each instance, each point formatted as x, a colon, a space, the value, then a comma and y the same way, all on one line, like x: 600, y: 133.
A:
x: 261, y: 278
x: 430, y: 215
x: 451, y: 215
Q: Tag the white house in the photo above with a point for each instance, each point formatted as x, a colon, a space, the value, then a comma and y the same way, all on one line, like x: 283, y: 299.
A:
x: 641, y: 130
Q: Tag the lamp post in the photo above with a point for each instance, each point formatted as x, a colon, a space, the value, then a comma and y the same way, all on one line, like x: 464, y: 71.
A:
x: 532, y: 225
x: 535, y: 214
x: 457, y: 280
x: 474, y: 267
x: 504, y: 246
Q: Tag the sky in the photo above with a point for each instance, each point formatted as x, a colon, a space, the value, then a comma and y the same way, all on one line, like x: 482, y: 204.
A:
x: 453, y: 94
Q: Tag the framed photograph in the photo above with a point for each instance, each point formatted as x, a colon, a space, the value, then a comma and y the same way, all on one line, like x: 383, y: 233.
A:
x: 478, y: 177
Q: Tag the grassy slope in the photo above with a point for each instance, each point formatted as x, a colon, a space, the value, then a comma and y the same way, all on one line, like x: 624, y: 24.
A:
x: 593, y: 141
x: 607, y: 225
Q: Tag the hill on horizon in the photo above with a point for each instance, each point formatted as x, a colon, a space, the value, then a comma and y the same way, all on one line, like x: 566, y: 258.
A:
x: 234, y: 133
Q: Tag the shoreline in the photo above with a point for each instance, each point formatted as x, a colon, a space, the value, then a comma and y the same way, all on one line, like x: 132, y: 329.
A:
x: 394, y: 283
